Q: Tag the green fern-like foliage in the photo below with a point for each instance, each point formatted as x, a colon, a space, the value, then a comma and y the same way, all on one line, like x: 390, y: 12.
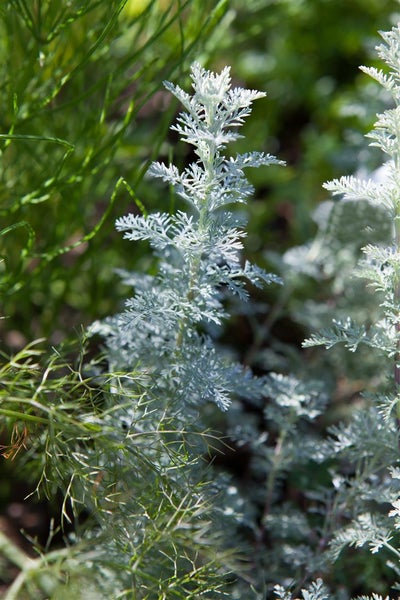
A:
x: 78, y: 79
x: 139, y: 516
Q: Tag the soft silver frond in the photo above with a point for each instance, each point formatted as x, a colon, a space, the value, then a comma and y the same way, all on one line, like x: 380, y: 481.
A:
x: 198, y: 253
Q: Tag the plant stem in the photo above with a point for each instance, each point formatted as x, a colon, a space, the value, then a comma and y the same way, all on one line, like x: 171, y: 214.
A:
x: 30, y: 568
x: 14, y: 554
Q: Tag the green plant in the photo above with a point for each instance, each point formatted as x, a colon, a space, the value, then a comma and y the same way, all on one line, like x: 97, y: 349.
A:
x: 135, y: 517
x: 78, y: 105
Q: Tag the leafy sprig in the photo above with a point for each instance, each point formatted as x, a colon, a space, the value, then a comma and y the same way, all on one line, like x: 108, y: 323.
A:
x: 199, y: 253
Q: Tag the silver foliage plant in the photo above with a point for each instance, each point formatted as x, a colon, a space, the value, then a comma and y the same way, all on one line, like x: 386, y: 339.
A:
x: 370, y: 440
x: 162, y: 329
x: 164, y: 365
